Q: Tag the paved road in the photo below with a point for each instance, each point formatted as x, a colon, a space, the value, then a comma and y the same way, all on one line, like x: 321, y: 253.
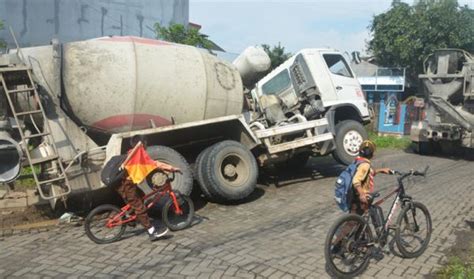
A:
x: 279, y: 234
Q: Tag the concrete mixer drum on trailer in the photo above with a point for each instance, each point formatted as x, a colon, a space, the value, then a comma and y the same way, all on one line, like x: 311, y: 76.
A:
x: 93, y: 96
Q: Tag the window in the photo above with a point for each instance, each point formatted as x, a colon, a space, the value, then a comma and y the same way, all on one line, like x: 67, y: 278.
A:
x: 337, y: 65
x: 277, y: 84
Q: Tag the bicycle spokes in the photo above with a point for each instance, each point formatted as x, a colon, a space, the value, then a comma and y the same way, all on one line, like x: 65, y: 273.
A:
x: 104, y: 225
x: 350, y: 248
x: 413, y: 231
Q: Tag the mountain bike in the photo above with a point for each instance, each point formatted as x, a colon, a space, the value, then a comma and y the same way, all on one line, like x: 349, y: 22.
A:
x: 354, y: 239
x: 107, y: 223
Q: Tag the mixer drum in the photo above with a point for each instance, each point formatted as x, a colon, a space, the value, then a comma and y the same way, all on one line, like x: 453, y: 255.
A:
x: 118, y: 84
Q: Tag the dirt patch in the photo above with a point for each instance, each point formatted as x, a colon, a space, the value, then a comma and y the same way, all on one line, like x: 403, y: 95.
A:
x: 464, y: 247
x: 460, y: 257
x: 10, y: 218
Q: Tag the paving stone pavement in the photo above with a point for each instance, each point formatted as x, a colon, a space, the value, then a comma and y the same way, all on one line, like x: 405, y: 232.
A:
x: 278, y: 234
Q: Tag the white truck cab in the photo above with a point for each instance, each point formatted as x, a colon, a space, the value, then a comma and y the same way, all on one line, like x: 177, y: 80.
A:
x: 318, y: 83
x: 323, y: 72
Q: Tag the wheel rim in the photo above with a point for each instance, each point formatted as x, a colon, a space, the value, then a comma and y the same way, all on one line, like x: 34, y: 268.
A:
x: 162, y: 178
x: 179, y: 220
x: 414, y: 235
x: 351, y: 142
x: 158, y: 178
x: 98, y: 226
x: 353, y: 252
x: 234, y: 170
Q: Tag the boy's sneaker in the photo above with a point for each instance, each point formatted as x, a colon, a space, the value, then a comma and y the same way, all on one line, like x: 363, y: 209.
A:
x: 156, y: 234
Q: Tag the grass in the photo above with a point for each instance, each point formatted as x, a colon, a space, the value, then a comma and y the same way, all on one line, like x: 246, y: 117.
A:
x: 457, y: 269
x: 389, y: 141
x: 461, y: 263
x: 26, y: 179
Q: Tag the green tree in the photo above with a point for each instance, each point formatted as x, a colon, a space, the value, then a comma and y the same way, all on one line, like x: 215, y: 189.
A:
x: 404, y: 35
x: 2, y: 43
x: 277, y: 54
x: 178, y: 33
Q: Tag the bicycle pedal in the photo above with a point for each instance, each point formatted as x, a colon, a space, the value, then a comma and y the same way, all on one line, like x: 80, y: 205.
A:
x: 377, y: 254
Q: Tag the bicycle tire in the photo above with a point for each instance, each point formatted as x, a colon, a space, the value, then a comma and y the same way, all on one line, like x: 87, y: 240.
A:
x: 169, y: 215
x: 328, y: 247
x: 398, y: 233
x: 115, y: 233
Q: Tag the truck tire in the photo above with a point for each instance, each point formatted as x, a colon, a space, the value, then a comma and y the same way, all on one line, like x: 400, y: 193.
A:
x: 229, y: 171
x: 199, y: 170
x: 349, y: 136
x: 423, y: 147
x: 183, y: 181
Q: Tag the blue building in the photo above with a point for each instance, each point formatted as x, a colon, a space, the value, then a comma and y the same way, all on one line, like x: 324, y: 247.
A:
x: 384, y: 89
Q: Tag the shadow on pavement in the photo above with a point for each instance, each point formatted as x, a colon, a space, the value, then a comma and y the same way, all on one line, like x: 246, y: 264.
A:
x: 316, y: 168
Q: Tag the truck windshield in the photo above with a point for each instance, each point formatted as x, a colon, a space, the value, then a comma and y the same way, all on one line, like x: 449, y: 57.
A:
x: 337, y: 65
x: 277, y: 84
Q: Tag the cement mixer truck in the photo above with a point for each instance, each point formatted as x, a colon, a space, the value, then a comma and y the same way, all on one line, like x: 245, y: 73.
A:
x: 65, y: 109
x: 448, y: 87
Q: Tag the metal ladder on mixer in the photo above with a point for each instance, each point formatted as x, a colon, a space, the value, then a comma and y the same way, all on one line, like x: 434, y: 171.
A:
x: 17, y: 80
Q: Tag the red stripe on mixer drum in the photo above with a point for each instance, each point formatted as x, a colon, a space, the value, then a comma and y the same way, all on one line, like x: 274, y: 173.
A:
x: 133, y: 121
x: 129, y: 39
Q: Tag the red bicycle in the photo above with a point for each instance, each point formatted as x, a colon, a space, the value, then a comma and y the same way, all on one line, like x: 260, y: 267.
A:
x: 107, y: 223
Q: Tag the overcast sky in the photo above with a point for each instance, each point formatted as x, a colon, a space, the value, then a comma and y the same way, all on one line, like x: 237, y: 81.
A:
x: 297, y: 24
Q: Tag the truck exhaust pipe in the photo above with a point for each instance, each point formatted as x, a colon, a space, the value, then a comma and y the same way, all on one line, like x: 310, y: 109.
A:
x: 10, y: 158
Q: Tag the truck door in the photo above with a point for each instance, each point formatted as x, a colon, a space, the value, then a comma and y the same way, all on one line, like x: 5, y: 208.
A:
x: 346, y: 85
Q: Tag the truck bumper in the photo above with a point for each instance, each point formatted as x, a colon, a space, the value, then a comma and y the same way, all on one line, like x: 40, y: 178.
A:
x: 422, y: 132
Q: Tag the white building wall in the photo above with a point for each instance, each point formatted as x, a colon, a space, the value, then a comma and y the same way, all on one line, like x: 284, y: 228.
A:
x: 36, y: 22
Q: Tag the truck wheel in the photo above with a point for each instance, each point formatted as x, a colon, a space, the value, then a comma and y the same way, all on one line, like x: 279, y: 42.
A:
x: 184, y: 179
x: 423, y: 147
x: 229, y: 171
x: 349, y: 135
x: 449, y: 147
x: 199, y: 170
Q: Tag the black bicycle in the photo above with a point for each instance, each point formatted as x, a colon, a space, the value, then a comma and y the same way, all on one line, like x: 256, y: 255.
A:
x: 351, y: 241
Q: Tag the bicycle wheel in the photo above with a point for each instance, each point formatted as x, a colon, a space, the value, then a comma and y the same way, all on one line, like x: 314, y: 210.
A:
x: 95, y: 225
x: 172, y: 219
x: 413, y: 231
x: 347, y: 246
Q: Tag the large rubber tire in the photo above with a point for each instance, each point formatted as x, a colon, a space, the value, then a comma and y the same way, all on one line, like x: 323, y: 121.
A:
x: 174, y: 221
x: 199, y: 170
x: 349, y: 136
x: 423, y: 148
x: 405, y: 217
x: 229, y: 171
x: 328, y: 254
x: 450, y: 147
x: 183, y: 181
x: 93, y: 227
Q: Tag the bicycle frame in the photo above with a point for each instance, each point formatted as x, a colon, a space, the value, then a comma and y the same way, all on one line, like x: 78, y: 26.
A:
x: 351, y: 242
x: 400, y: 196
x: 157, y: 194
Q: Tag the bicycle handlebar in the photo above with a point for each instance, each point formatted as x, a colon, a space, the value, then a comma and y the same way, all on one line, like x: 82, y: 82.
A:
x: 172, y: 178
x: 410, y: 173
